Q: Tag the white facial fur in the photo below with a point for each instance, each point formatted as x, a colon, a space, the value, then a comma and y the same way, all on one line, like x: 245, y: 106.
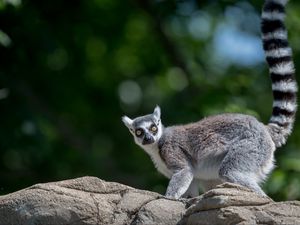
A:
x: 144, y: 124
x: 146, y: 127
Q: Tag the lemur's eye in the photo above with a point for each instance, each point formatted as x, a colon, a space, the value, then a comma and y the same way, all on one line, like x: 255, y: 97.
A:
x: 139, y: 132
x: 153, y: 128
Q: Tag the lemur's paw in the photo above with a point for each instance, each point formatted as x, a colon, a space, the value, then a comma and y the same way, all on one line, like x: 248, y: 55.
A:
x: 169, y: 198
x: 172, y: 198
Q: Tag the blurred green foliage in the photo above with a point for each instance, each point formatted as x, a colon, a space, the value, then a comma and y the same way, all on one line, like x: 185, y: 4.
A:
x: 70, y: 69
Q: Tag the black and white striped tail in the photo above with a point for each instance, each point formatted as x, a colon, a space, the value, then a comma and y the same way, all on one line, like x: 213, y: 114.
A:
x: 282, y: 70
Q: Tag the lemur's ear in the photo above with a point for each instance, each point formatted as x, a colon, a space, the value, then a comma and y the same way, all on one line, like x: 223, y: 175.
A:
x: 128, y: 122
x: 156, y: 112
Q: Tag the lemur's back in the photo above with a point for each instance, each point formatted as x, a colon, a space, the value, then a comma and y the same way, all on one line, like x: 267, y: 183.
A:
x: 215, y: 135
x: 227, y: 126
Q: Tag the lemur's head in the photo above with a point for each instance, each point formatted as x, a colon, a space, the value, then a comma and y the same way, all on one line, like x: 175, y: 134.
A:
x: 147, y: 129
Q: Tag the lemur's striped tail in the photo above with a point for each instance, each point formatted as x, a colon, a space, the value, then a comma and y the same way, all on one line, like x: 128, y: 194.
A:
x: 282, y: 70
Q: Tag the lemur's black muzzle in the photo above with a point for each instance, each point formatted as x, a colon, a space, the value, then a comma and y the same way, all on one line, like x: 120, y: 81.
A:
x: 148, y: 139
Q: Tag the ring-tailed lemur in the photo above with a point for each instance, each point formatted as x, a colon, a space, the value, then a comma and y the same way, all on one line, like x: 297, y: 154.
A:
x: 228, y: 147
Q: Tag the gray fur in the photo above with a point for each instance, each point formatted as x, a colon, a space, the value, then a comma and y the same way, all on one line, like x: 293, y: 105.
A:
x: 228, y: 147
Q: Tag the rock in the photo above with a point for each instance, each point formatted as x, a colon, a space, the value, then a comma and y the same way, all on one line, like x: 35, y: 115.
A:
x: 233, y: 204
x: 89, y: 200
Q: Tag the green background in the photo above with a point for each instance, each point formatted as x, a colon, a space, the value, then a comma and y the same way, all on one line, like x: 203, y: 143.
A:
x: 70, y: 69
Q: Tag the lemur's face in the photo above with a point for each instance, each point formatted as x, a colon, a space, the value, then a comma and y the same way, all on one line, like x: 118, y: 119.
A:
x: 146, y: 130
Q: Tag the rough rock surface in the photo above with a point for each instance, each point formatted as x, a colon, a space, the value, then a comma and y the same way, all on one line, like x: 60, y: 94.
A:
x: 89, y: 200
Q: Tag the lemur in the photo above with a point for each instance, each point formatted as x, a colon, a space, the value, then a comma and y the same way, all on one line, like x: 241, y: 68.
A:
x: 232, y: 148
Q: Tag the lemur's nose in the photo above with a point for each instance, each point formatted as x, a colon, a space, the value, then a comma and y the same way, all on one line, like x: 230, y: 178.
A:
x: 148, y: 139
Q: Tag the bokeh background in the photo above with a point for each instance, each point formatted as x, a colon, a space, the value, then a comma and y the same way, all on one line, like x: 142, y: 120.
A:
x: 70, y: 69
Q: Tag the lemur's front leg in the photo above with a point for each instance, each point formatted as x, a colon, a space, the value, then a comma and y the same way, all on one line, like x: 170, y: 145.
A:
x: 179, y: 183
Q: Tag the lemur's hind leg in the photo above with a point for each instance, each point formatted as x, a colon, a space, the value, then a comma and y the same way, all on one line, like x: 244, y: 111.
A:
x: 242, y: 179
x: 243, y: 163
